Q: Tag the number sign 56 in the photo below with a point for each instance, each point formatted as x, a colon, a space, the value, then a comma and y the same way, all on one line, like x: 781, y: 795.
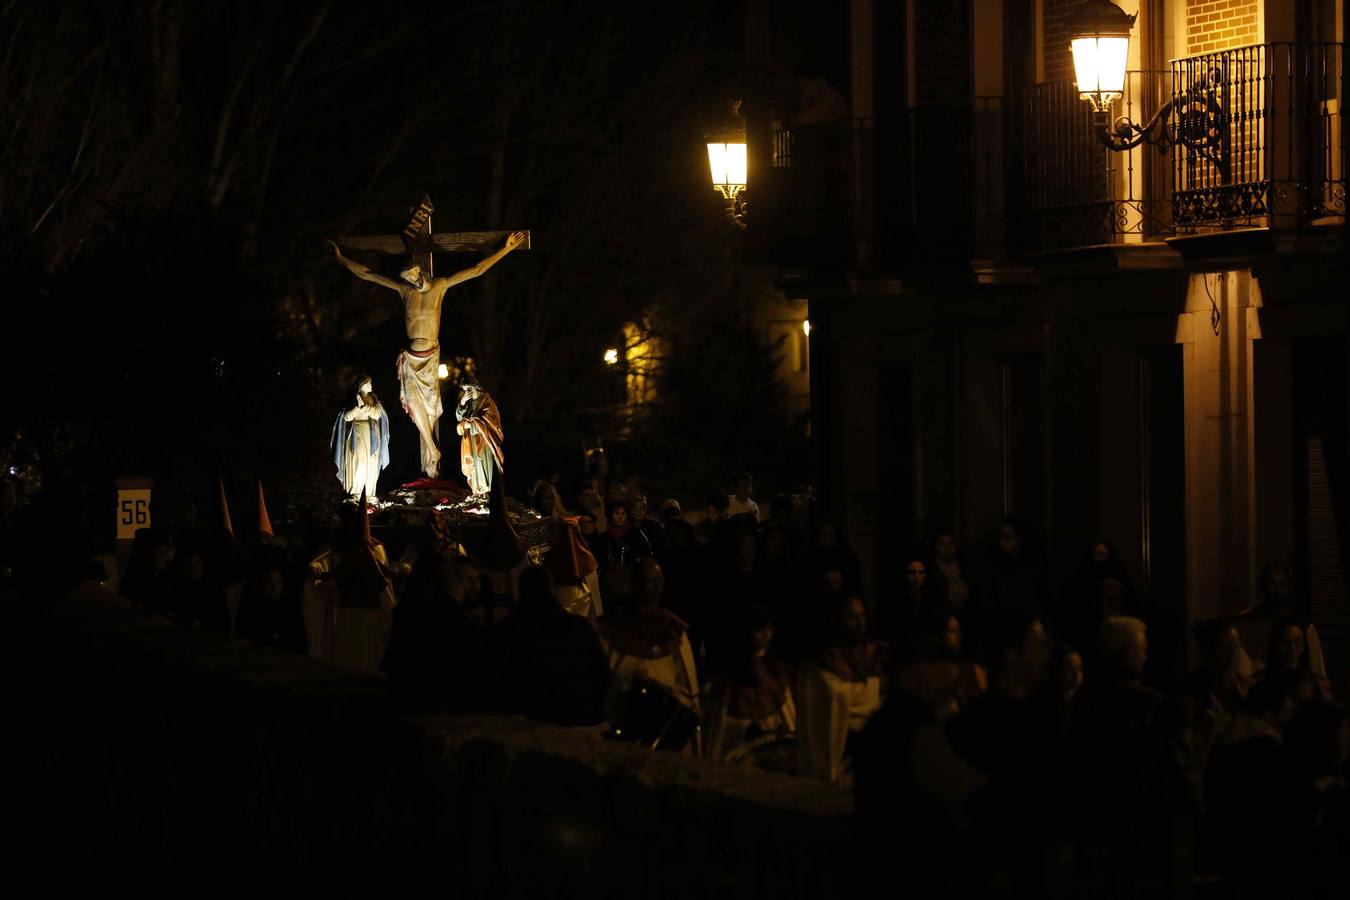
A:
x: 133, y: 512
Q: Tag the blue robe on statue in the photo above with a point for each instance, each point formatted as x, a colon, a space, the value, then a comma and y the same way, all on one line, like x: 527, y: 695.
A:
x: 360, y: 444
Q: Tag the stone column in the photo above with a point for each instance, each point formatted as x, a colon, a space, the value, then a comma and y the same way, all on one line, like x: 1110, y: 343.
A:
x: 1220, y: 474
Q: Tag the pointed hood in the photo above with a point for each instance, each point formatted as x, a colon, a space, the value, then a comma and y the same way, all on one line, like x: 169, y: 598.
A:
x: 226, y: 525
x: 500, y: 548
x: 362, y: 581
x: 264, y: 521
x: 569, y: 559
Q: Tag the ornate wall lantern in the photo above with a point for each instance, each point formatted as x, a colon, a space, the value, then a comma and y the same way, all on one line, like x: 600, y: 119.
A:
x: 1099, y: 37
x: 727, y: 167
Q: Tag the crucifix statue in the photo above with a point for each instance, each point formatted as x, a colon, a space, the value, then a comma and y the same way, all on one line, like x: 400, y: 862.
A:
x: 422, y: 292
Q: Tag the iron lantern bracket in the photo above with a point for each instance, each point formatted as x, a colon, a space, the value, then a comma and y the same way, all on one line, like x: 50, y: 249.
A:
x: 1200, y: 125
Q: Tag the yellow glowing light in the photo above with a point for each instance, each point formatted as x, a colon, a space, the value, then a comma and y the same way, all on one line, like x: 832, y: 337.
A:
x: 1099, y: 63
x: 611, y: 356
x: 443, y: 371
x: 727, y: 164
x: 1099, y: 38
x: 806, y: 327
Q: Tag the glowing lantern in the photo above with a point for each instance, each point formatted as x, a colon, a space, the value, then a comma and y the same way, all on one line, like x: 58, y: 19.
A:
x: 1099, y: 35
x: 728, y: 168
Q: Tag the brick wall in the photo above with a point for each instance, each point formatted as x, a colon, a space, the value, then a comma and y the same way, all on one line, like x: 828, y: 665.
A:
x: 942, y: 51
x: 1055, y: 38
x: 1221, y: 24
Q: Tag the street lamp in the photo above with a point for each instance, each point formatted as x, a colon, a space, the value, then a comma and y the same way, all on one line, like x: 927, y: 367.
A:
x: 1099, y: 37
x: 728, y: 169
x: 611, y: 356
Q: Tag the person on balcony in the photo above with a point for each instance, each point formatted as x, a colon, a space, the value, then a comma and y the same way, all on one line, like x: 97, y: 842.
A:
x: 818, y: 101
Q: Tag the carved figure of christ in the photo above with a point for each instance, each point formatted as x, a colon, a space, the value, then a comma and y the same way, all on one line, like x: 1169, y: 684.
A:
x: 419, y: 383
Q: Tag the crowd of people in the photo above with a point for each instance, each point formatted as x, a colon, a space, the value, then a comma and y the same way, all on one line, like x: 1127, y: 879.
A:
x: 1002, y: 735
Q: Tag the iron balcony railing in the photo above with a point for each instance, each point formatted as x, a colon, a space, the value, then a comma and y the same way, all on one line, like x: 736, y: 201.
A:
x: 821, y: 190
x: 1076, y: 191
x: 1258, y: 135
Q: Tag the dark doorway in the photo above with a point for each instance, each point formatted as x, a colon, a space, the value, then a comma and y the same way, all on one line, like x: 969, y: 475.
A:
x: 1322, y: 504
x: 896, y: 428
x: 1162, y: 471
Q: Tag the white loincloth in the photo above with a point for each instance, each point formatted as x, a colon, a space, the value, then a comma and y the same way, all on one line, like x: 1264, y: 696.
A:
x: 419, y: 390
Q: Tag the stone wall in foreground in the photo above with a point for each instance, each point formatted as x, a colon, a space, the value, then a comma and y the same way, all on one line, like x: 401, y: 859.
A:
x: 151, y: 758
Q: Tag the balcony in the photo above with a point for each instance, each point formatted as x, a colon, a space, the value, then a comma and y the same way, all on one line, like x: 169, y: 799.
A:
x: 1076, y: 192
x: 1255, y: 142
x: 813, y: 207
x: 1259, y: 137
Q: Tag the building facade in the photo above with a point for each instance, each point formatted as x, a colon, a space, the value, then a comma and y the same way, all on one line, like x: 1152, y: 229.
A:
x: 1008, y: 318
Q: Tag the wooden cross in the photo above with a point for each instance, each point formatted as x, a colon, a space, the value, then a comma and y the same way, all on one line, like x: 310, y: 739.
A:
x: 420, y: 242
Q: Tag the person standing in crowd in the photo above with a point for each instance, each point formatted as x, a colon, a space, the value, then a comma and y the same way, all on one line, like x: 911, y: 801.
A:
x: 647, y: 646
x: 830, y: 552
x: 617, y: 551
x: 148, y: 582
x: 939, y: 627
x: 548, y: 663
x: 1135, y: 788
x: 1287, y: 662
x: 753, y: 697
x: 1256, y: 623
x: 547, y: 502
x: 914, y: 796
x: 435, y: 660
x: 708, y: 533
x: 649, y: 526
x: 1099, y: 589
x: 946, y: 584
x: 898, y: 616
x: 1016, y: 582
x: 1062, y: 688
x: 841, y: 689
x: 269, y: 617
x: 1004, y: 734
x: 621, y: 544
x: 1217, y: 686
x: 781, y: 516
x: 591, y: 503
x: 739, y: 502
x: 736, y: 586
x: 199, y: 602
